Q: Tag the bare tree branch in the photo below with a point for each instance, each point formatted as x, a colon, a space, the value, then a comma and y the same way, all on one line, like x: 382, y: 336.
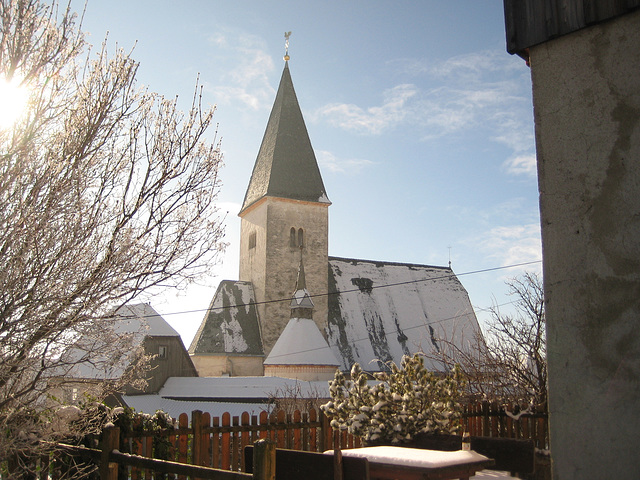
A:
x: 107, y: 192
x: 510, y: 362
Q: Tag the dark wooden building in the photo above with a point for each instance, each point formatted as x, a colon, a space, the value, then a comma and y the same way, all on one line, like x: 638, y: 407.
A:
x: 532, y: 22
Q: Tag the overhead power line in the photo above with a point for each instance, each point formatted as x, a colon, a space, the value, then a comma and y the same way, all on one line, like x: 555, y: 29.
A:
x: 351, y: 290
x: 388, y: 285
x: 363, y: 339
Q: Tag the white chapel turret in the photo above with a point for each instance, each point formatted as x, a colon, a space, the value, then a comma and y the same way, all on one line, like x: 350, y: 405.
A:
x: 301, y: 352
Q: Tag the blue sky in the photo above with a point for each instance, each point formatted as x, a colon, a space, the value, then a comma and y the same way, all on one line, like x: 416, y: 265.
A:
x: 421, y: 122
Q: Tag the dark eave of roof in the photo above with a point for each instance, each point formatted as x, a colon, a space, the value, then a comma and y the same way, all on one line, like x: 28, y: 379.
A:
x: 380, y: 263
x: 532, y: 22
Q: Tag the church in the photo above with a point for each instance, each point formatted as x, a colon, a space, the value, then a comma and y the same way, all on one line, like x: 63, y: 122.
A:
x: 297, y: 312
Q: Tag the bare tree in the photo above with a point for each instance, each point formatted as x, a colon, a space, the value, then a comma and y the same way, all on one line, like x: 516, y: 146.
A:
x: 292, y: 397
x: 107, y: 193
x: 509, y: 363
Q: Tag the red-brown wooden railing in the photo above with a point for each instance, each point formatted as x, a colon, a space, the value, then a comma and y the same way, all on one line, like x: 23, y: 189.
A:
x: 506, y: 421
x: 219, y: 442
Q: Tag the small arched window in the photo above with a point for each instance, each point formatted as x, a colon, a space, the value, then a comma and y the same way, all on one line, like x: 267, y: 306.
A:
x: 252, y: 240
x: 300, y: 238
x: 292, y: 238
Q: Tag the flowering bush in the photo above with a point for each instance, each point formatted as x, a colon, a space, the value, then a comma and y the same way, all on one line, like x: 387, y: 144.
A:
x: 402, y: 403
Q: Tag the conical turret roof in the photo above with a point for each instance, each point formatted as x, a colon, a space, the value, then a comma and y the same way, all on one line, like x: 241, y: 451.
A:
x: 286, y: 166
x: 301, y: 343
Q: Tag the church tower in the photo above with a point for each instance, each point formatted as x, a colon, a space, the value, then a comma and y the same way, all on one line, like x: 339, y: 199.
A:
x: 285, y: 209
x: 255, y: 327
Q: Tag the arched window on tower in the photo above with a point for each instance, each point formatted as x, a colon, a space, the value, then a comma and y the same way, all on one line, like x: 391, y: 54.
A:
x: 252, y: 240
x: 292, y: 238
x: 300, y: 238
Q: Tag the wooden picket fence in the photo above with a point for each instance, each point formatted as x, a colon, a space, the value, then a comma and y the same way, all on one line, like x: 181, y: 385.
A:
x: 487, y: 419
x: 219, y: 442
x: 112, y: 464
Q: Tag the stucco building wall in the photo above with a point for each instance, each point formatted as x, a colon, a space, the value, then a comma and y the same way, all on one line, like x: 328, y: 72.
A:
x: 586, y: 90
x: 305, y: 373
x: 231, y: 365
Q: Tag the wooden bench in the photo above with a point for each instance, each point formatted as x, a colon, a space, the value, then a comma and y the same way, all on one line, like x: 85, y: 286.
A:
x: 297, y: 465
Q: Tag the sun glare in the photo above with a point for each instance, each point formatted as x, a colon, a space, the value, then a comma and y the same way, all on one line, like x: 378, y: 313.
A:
x: 13, y: 100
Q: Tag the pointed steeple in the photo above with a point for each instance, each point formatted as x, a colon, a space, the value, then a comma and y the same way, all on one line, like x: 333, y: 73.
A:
x: 286, y: 166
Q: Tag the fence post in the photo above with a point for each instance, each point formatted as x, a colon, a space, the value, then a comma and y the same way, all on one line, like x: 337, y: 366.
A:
x: 326, y: 431
x: 485, y: 419
x: 264, y: 460
x: 337, y: 464
x: 196, y: 426
x: 110, y: 442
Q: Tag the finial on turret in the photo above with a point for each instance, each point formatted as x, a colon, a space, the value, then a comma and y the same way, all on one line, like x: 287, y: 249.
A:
x: 286, y: 46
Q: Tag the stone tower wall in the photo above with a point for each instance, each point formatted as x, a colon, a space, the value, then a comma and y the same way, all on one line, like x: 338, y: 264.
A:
x: 272, y: 265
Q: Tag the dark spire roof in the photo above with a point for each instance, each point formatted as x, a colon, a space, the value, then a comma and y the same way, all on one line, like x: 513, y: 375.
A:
x: 301, y: 300
x: 286, y: 166
x: 301, y: 281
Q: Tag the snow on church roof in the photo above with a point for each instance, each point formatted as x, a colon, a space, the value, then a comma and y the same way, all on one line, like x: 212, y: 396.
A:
x: 239, y: 389
x: 231, y: 323
x: 386, y: 310
x: 301, y: 343
x: 151, y: 403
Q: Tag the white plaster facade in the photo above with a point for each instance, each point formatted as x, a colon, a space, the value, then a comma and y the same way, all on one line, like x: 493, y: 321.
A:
x: 586, y: 90
x: 233, y: 365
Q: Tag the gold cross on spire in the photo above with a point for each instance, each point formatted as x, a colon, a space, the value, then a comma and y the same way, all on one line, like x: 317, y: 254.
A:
x: 286, y: 45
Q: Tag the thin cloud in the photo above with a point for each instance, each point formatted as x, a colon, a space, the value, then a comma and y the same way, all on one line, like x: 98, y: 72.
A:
x: 338, y: 165
x: 471, y: 66
x: 255, y: 100
x: 522, y: 165
x: 471, y: 94
x: 508, y: 212
x: 514, y: 244
x: 450, y: 109
x: 483, y: 90
x: 372, y: 120
x: 248, y: 83
x: 513, y: 132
